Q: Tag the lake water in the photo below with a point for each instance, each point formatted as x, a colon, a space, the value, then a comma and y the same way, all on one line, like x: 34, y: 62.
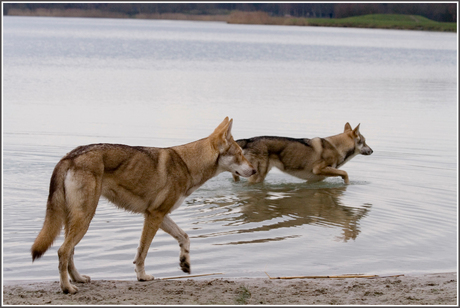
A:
x: 74, y: 81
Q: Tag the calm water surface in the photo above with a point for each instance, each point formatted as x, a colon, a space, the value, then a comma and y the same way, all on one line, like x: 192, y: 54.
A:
x: 75, y: 81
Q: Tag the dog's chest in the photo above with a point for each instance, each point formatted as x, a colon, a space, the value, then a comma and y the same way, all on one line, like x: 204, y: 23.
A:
x: 178, y: 203
x: 182, y: 198
x: 345, y: 160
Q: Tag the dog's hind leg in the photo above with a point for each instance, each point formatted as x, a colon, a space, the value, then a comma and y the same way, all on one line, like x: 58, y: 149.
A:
x: 170, y: 227
x: 82, y: 195
x: 74, y: 274
x: 77, y: 228
x: 152, y: 222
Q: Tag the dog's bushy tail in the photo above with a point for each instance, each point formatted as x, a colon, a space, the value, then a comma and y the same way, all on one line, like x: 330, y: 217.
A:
x: 55, y: 212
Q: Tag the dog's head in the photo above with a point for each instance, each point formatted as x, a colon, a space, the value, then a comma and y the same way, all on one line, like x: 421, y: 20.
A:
x: 231, y: 156
x: 360, y: 142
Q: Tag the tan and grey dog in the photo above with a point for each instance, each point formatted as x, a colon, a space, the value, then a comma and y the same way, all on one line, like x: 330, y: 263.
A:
x: 146, y: 180
x: 309, y: 159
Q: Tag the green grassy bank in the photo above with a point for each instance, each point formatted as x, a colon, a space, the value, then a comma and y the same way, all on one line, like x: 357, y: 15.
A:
x: 391, y: 21
x: 380, y: 21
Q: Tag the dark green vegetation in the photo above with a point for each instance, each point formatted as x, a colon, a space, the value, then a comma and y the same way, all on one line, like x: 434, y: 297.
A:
x: 386, y: 21
x: 382, y: 21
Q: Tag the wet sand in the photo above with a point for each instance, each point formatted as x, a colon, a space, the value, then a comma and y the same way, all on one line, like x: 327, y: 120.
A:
x: 428, y: 289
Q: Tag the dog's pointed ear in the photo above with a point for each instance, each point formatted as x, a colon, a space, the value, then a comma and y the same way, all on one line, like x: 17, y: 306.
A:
x: 221, y: 126
x: 228, y: 131
x: 356, y: 130
x: 222, y: 135
x: 347, y: 127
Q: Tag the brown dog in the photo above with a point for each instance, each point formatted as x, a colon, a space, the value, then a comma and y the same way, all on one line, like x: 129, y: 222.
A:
x: 309, y: 159
x: 146, y: 180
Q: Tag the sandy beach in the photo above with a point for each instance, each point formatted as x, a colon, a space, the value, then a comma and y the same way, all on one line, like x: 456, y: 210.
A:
x: 427, y: 289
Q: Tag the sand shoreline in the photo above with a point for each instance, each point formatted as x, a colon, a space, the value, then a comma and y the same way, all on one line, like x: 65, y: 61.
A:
x: 426, y: 289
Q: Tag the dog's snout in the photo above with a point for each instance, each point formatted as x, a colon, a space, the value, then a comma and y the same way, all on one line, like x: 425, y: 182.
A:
x: 368, y: 151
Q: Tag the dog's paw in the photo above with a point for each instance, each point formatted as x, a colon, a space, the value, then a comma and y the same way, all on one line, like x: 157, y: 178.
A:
x: 69, y: 289
x: 145, y: 277
x: 141, y: 275
x: 185, y: 265
x: 82, y: 279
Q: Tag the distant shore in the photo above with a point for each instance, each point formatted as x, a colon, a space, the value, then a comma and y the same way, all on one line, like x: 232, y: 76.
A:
x: 378, y: 21
x: 428, y: 289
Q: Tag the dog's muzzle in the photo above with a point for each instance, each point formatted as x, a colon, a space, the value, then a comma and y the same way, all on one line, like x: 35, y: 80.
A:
x: 367, y: 151
x: 252, y: 172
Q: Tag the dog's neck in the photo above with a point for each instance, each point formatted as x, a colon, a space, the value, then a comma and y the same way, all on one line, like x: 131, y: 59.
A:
x: 201, y: 160
x: 346, y: 151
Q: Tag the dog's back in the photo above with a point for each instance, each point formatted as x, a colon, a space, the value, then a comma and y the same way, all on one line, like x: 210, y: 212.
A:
x: 272, y: 144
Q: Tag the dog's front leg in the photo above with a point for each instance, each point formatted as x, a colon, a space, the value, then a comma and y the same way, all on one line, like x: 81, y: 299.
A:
x: 329, y: 171
x: 152, y: 222
x: 170, y: 227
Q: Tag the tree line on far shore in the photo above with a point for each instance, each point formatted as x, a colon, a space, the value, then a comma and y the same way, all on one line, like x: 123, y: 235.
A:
x: 443, y: 12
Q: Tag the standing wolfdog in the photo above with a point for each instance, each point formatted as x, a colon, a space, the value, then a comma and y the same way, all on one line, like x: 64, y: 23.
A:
x: 309, y: 159
x: 147, y: 180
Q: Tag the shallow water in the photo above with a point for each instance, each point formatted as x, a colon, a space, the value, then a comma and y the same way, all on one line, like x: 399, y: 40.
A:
x: 75, y: 81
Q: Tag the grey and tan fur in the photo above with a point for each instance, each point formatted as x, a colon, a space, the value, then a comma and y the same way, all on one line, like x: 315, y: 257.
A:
x: 146, y: 180
x: 309, y: 159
